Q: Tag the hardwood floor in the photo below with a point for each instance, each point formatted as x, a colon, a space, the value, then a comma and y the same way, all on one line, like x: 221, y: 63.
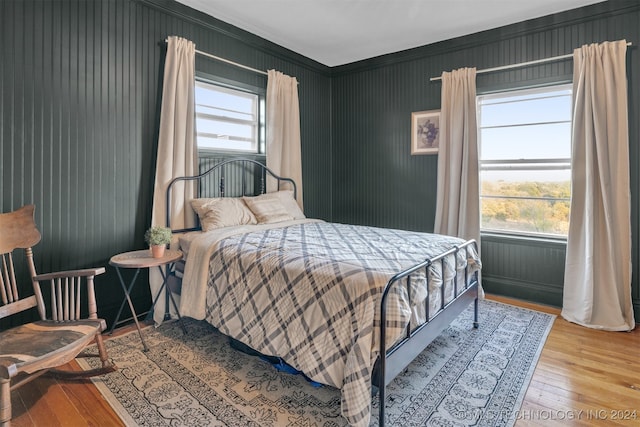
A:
x: 584, y: 377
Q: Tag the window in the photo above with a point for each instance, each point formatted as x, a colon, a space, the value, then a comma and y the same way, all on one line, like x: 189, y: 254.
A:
x: 227, y: 119
x: 525, y: 161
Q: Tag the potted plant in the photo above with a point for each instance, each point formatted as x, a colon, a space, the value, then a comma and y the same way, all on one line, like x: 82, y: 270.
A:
x: 158, y: 238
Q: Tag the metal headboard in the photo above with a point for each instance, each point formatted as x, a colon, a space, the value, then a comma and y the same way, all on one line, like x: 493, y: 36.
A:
x: 249, y: 170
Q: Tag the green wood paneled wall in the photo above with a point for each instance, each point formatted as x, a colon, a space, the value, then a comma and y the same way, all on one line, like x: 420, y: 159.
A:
x: 80, y: 89
x: 378, y: 182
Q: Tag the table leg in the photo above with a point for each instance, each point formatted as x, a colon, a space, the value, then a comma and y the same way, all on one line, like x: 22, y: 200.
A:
x: 124, y: 301
x: 167, y: 291
x: 164, y: 287
x: 128, y: 299
x: 184, y: 329
x: 168, y: 296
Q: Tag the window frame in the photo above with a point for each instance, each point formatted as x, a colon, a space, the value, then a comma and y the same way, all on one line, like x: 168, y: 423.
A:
x: 233, y: 86
x: 532, y: 164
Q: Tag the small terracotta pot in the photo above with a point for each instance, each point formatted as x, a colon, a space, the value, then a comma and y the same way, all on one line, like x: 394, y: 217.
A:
x: 157, y: 251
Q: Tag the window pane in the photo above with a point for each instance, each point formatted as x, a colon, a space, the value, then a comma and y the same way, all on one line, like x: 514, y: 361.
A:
x: 209, y: 143
x: 526, y: 142
x: 207, y: 94
x: 540, y: 183
x: 513, y: 110
x: 220, y: 112
x: 525, y: 161
x: 222, y: 128
x: 525, y: 215
x: 226, y: 118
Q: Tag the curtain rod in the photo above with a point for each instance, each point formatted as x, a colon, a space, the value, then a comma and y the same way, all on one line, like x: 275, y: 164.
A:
x: 520, y: 64
x: 208, y: 55
x: 231, y: 62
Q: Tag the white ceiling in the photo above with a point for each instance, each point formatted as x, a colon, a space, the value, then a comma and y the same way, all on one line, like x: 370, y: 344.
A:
x: 337, y: 32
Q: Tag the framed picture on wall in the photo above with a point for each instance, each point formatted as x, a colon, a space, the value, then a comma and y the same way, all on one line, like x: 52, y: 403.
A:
x: 425, y: 132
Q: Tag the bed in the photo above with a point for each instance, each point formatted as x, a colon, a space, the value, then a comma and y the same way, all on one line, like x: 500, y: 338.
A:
x: 323, y: 297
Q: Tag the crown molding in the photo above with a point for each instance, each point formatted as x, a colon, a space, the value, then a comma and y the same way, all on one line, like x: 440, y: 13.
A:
x: 201, y: 19
x: 558, y: 20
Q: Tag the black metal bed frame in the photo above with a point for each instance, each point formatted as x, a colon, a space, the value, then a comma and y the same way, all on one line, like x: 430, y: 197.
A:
x: 246, y: 166
x: 392, y: 362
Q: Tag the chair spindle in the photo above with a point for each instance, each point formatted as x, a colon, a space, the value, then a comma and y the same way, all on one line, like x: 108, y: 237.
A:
x: 4, y: 283
x: 78, y: 291
x: 9, y: 287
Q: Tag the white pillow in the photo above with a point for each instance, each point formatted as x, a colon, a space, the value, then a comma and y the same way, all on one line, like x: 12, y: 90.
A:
x: 222, y: 212
x: 290, y: 204
x: 268, y: 209
x: 286, y: 198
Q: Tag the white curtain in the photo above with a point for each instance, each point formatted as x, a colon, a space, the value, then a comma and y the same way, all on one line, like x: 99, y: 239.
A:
x: 283, y: 130
x: 177, y: 153
x: 457, y: 197
x: 597, y: 281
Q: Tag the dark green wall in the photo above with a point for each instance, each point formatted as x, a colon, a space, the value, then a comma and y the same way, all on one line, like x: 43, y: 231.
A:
x: 378, y: 182
x: 80, y: 87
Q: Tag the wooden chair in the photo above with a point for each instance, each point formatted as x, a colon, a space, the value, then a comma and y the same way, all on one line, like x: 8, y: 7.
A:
x: 30, y: 350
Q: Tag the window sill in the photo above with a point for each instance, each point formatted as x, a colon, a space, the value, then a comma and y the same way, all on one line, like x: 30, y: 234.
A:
x: 511, y: 237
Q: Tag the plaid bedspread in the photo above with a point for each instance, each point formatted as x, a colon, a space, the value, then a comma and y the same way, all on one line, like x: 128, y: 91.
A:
x: 309, y: 293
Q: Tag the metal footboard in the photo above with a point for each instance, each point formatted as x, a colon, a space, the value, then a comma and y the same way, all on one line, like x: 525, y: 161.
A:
x: 393, y: 361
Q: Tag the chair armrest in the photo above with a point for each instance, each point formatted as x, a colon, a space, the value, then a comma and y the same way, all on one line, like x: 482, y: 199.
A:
x: 87, y: 272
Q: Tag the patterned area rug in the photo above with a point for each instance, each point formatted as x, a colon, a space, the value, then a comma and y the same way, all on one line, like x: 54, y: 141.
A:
x: 466, y: 377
